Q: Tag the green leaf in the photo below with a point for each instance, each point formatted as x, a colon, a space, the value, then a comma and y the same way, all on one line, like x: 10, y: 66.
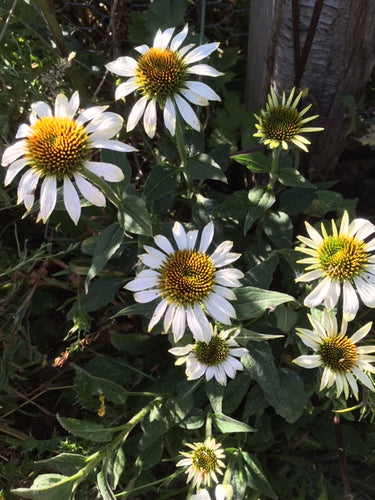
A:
x: 286, y: 318
x: 283, y: 389
x: 296, y: 200
x: 106, y: 245
x: 204, y: 167
x: 65, y: 463
x: 289, y: 176
x: 86, y: 429
x: 233, y: 208
x: 279, y: 229
x: 260, y: 200
x: 227, y: 424
x: 137, y: 344
x: 150, y: 456
x: 252, y: 302
x: 137, y: 218
x: 215, y: 393
x: 138, y: 309
x: 256, y: 162
x: 88, y: 385
x: 235, y: 391
x: 255, y: 476
x: 48, y: 487
x: 261, y: 274
x: 103, y: 486
x: 114, y: 465
x: 161, y: 182
x: 162, y: 14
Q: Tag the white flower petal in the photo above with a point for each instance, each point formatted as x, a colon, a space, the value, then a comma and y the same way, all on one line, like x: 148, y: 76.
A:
x: 366, y: 291
x: 194, y: 98
x: 23, y: 131
x: 179, y: 235
x: 308, y: 361
x: 203, y: 90
x: 73, y: 105
x: 350, y: 301
x: 146, y: 296
x: 179, y: 323
x: 163, y: 243
x: 104, y: 127
x: 169, y: 116
x: 71, y: 201
x: 123, y: 66
x: 187, y: 112
x: 95, y: 112
x: 204, y: 70
x: 106, y: 171
x: 158, y: 313
x: 26, y: 188
x: 136, y: 113
x: 61, y: 106
x: 149, y: 118
x: 198, y: 323
x: 13, y: 152
x: 48, y: 193
x: 200, y: 52
x: 90, y: 192
x: 228, y: 277
x: 126, y: 88
x: 41, y: 109
x: 219, y: 308
x: 13, y: 169
x: 319, y: 293
x: 179, y: 39
x: 114, y: 146
x: 206, y: 237
x: 162, y: 38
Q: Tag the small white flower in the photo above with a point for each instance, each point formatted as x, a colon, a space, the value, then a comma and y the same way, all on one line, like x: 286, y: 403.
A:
x: 215, y: 358
x: 161, y: 76
x: 188, y: 281
x: 342, y: 361
x: 203, y: 462
x: 56, y: 148
x: 344, y: 261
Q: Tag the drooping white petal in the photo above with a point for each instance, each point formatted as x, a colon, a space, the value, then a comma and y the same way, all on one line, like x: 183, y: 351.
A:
x: 179, y: 323
x: 136, y: 113
x: 90, y: 114
x: 194, y: 98
x: 308, y: 361
x: 203, y: 90
x: 26, y: 188
x: 90, y: 192
x: 204, y: 70
x: 187, y: 112
x: 158, y: 314
x: 114, y: 146
x: 13, y: 169
x: 13, y: 152
x: 123, y: 66
x: 149, y: 118
x: 225, y: 292
x: 71, y: 200
x: 198, y: 323
x: 333, y: 296
x: 350, y: 301
x: 366, y: 291
x: 106, y: 171
x: 200, y: 52
x: 48, y: 194
x: 319, y: 293
x: 126, y: 88
x: 219, y: 308
x: 169, y: 116
x: 23, y: 131
x: 146, y: 296
x: 168, y: 317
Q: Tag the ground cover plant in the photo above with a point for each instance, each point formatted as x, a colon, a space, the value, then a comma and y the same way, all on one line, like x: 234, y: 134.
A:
x: 186, y: 313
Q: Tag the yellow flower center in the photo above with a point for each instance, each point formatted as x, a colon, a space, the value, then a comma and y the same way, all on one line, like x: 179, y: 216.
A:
x: 281, y: 123
x: 204, y: 459
x: 160, y: 73
x: 187, y: 277
x: 57, y: 146
x: 214, y: 353
x: 338, y: 353
x: 342, y: 257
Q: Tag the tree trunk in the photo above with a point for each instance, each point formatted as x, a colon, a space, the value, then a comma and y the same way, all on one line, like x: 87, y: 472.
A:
x: 338, y: 63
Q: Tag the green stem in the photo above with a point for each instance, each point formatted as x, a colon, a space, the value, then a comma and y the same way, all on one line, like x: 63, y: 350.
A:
x: 103, y: 186
x: 274, y: 168
x: 184, y: 158
x: 98, y: 456
x: 203, y: 22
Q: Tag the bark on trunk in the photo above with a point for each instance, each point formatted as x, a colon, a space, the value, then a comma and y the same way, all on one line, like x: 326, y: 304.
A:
x: 339, y: 63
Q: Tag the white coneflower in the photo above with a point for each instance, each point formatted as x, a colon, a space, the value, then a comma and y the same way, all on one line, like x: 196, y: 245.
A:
x: 161, y: 76
x: 216, y: 358
x: 203, y: 463
x: 343, y: 261
x: 341, y: 359
x: 189, y: 282
x: 56, y: 148
x: 281, y: 124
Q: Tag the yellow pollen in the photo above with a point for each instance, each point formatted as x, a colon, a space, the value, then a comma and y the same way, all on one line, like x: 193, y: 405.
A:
x: 160, y: 72
x: 187, y: 277
x: 338, y: 353
x: 342, y: 257
x: 57, y: 146
x: 204, y: 459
